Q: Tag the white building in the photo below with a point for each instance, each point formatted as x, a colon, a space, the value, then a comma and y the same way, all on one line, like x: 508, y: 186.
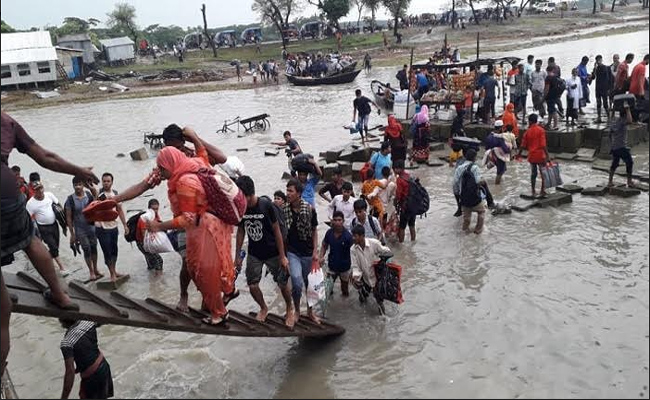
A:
x: 118, y: 49
x: 27, y: 58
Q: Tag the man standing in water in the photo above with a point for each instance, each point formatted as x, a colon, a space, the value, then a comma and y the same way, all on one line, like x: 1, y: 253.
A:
x: 265, y: 247
x: 82, y: 232
x: 535, y: 141
x: 81, y: 354
x: 618, y: 138
x: 363, y: 255
x: 107, y: 232
x: 302, y: 242
x: 361, y: 105
x: 40, y: 209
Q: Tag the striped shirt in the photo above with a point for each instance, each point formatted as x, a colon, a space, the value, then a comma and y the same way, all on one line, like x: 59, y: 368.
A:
x: 80, y: 343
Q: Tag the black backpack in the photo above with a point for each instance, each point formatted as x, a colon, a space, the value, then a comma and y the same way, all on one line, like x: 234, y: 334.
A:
x: 560, y: 85
x: 132, y: 224
x: 279, y: 216
x: 470, y: 192
x: 300, y: 163
x: 418, y: 198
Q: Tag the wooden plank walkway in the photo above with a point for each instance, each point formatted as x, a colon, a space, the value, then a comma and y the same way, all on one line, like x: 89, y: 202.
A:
x: 115, y: 308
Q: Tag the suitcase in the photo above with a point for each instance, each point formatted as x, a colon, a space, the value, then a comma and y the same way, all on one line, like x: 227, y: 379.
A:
x: 618, y: 102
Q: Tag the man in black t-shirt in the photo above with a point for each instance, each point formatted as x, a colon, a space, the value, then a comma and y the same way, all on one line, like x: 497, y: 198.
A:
x: 265, y: 246
x: 361, y: 105
x: 81, y: 355
x: 293, y: 148
x: 302, y: 242
x: 552, y: 95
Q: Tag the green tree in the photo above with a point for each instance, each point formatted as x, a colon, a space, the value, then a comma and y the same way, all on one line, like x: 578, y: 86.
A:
x: 6, y: 28
x: 123, y: 18
x: 373, y: 6
x: 276, y: 13
x: 333, y: 10
x: 397, y: 9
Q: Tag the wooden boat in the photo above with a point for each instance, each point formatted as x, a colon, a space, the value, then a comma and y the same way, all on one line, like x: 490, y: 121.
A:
x: 26, y: 292
x: 379, y: 90
x: 337, y: 79
x: 349, y: 68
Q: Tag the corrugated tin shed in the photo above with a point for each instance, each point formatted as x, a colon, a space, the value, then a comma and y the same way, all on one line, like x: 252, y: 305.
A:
x: 116, y: 42
x: 26, y: 47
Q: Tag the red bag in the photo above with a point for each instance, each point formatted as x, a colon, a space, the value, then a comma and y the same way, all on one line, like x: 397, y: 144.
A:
x: 225, y: 199
x: 101, y: 211
x: 389, y: 282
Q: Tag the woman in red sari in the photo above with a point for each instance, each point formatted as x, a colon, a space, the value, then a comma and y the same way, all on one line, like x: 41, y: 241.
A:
x: 209, y: 260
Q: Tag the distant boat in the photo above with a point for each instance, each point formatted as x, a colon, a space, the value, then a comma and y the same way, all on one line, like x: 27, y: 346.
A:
x: 379, y: 90
x: 337, y: 79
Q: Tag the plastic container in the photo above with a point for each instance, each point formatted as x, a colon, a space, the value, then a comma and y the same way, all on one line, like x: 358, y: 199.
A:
x: 399, y: 110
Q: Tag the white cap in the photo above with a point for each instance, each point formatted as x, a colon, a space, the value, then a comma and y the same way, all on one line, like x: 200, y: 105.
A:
x: 498, y: 123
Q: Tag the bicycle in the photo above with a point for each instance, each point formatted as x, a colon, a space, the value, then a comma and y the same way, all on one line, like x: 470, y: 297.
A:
x: 227, y: 124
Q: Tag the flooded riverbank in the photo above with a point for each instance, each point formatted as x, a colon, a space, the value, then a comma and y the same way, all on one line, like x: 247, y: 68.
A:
x: 549, y: 303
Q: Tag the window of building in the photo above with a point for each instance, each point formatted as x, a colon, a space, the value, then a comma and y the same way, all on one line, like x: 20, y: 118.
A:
x: 24, y: 70
x: 43, y: 67
x: 6, y: 71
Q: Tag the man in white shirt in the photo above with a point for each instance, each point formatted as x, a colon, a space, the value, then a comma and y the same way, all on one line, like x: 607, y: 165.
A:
x: 40, y: 209
x: 344, y: 203
x: 363, y: 255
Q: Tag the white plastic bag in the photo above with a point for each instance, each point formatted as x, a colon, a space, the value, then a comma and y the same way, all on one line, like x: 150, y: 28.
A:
x: 155, y: 242
x: 316, y: 294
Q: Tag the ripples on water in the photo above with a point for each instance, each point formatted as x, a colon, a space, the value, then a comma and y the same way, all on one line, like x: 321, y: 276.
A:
x: 551, y: 302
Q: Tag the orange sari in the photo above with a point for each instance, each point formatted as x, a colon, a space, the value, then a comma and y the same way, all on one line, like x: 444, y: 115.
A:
x: 509, y: 118
x: 209, y: 259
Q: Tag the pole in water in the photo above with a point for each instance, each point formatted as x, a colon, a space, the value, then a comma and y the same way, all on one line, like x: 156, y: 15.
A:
x: 478, y: 44
x: 408, y: 96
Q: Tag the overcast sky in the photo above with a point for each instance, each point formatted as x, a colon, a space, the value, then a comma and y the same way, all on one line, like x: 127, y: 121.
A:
x: 24, y: 14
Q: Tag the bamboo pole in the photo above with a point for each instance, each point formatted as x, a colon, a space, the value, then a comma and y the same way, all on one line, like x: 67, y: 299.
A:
x: 408, y: 96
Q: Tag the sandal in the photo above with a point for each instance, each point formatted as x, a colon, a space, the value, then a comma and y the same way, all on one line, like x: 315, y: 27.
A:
x: 218, y: 322
x: 70, y: 307
x: 230, y: 297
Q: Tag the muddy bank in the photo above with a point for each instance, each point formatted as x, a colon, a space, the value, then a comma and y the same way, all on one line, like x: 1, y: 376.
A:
x: 514, y: 34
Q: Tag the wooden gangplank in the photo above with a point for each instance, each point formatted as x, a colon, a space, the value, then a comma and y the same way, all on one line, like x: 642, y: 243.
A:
x: 114, y: 308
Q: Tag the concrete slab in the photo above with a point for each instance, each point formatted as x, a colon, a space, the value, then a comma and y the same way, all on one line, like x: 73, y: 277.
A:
x: 356, y: 171
x: 594, y: 191
x: 106, y: 284
x: 272, y: 153
x: 624, y: 191
x: 139, y: 154
x: 565, y: 156
x: 586, y: 152
x: 569, y: 188
x: 555, y: 200
x: 437, y: 147
x: 585, y: 159
x: 346, y: 167
x: 411, y: 166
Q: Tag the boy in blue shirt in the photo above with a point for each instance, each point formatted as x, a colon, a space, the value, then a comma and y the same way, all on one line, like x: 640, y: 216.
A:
x: 339, y: 242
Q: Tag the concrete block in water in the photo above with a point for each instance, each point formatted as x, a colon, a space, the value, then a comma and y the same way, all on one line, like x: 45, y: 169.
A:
x: 411, y: 166
x: 271, y: 153
x: 107, y: 284
x: 624, y: 191
x: 444, y: 131
x: 139, y: 154
x: 120, y: 155
x: 604, y: 148
x: 346, y: 155
x: 433, y: 162
x: 356, y: 171
x: 565, y: 156
x: 437, y: 147
x: 643, y: 187
x: 328, y: 171
x: 552, y: 140
x: 523, y: 207
x: 241, y: 150
x: 571, y: 141
x: 569, y: 188
x: 594, y: 191
x: 586, y: 152
x: 346, y: 167
x: 331, y: 156
x: 585, y: 159
x: 555, y: 200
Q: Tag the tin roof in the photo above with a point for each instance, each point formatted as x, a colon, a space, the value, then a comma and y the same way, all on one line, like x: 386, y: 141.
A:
x: 121, y: 41
x: 25, y: 47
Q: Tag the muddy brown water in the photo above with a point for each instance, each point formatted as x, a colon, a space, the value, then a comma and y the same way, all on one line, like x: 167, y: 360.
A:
x: 548, y: 303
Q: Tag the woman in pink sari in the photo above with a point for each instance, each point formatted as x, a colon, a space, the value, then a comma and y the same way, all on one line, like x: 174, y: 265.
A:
x: 421, y: 134
x: 209, y: 260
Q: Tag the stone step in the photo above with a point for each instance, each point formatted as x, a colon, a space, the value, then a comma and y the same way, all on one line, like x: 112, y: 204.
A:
x: 565, y: 156
x: 624, y: 191
x: 594, y: 191
x: 106, y: 283
x: 555, y: 200
x: 570, y: 188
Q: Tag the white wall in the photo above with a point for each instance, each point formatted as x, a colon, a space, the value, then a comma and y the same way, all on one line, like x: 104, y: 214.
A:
x: 34, y: 75
x: 116, y: 53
